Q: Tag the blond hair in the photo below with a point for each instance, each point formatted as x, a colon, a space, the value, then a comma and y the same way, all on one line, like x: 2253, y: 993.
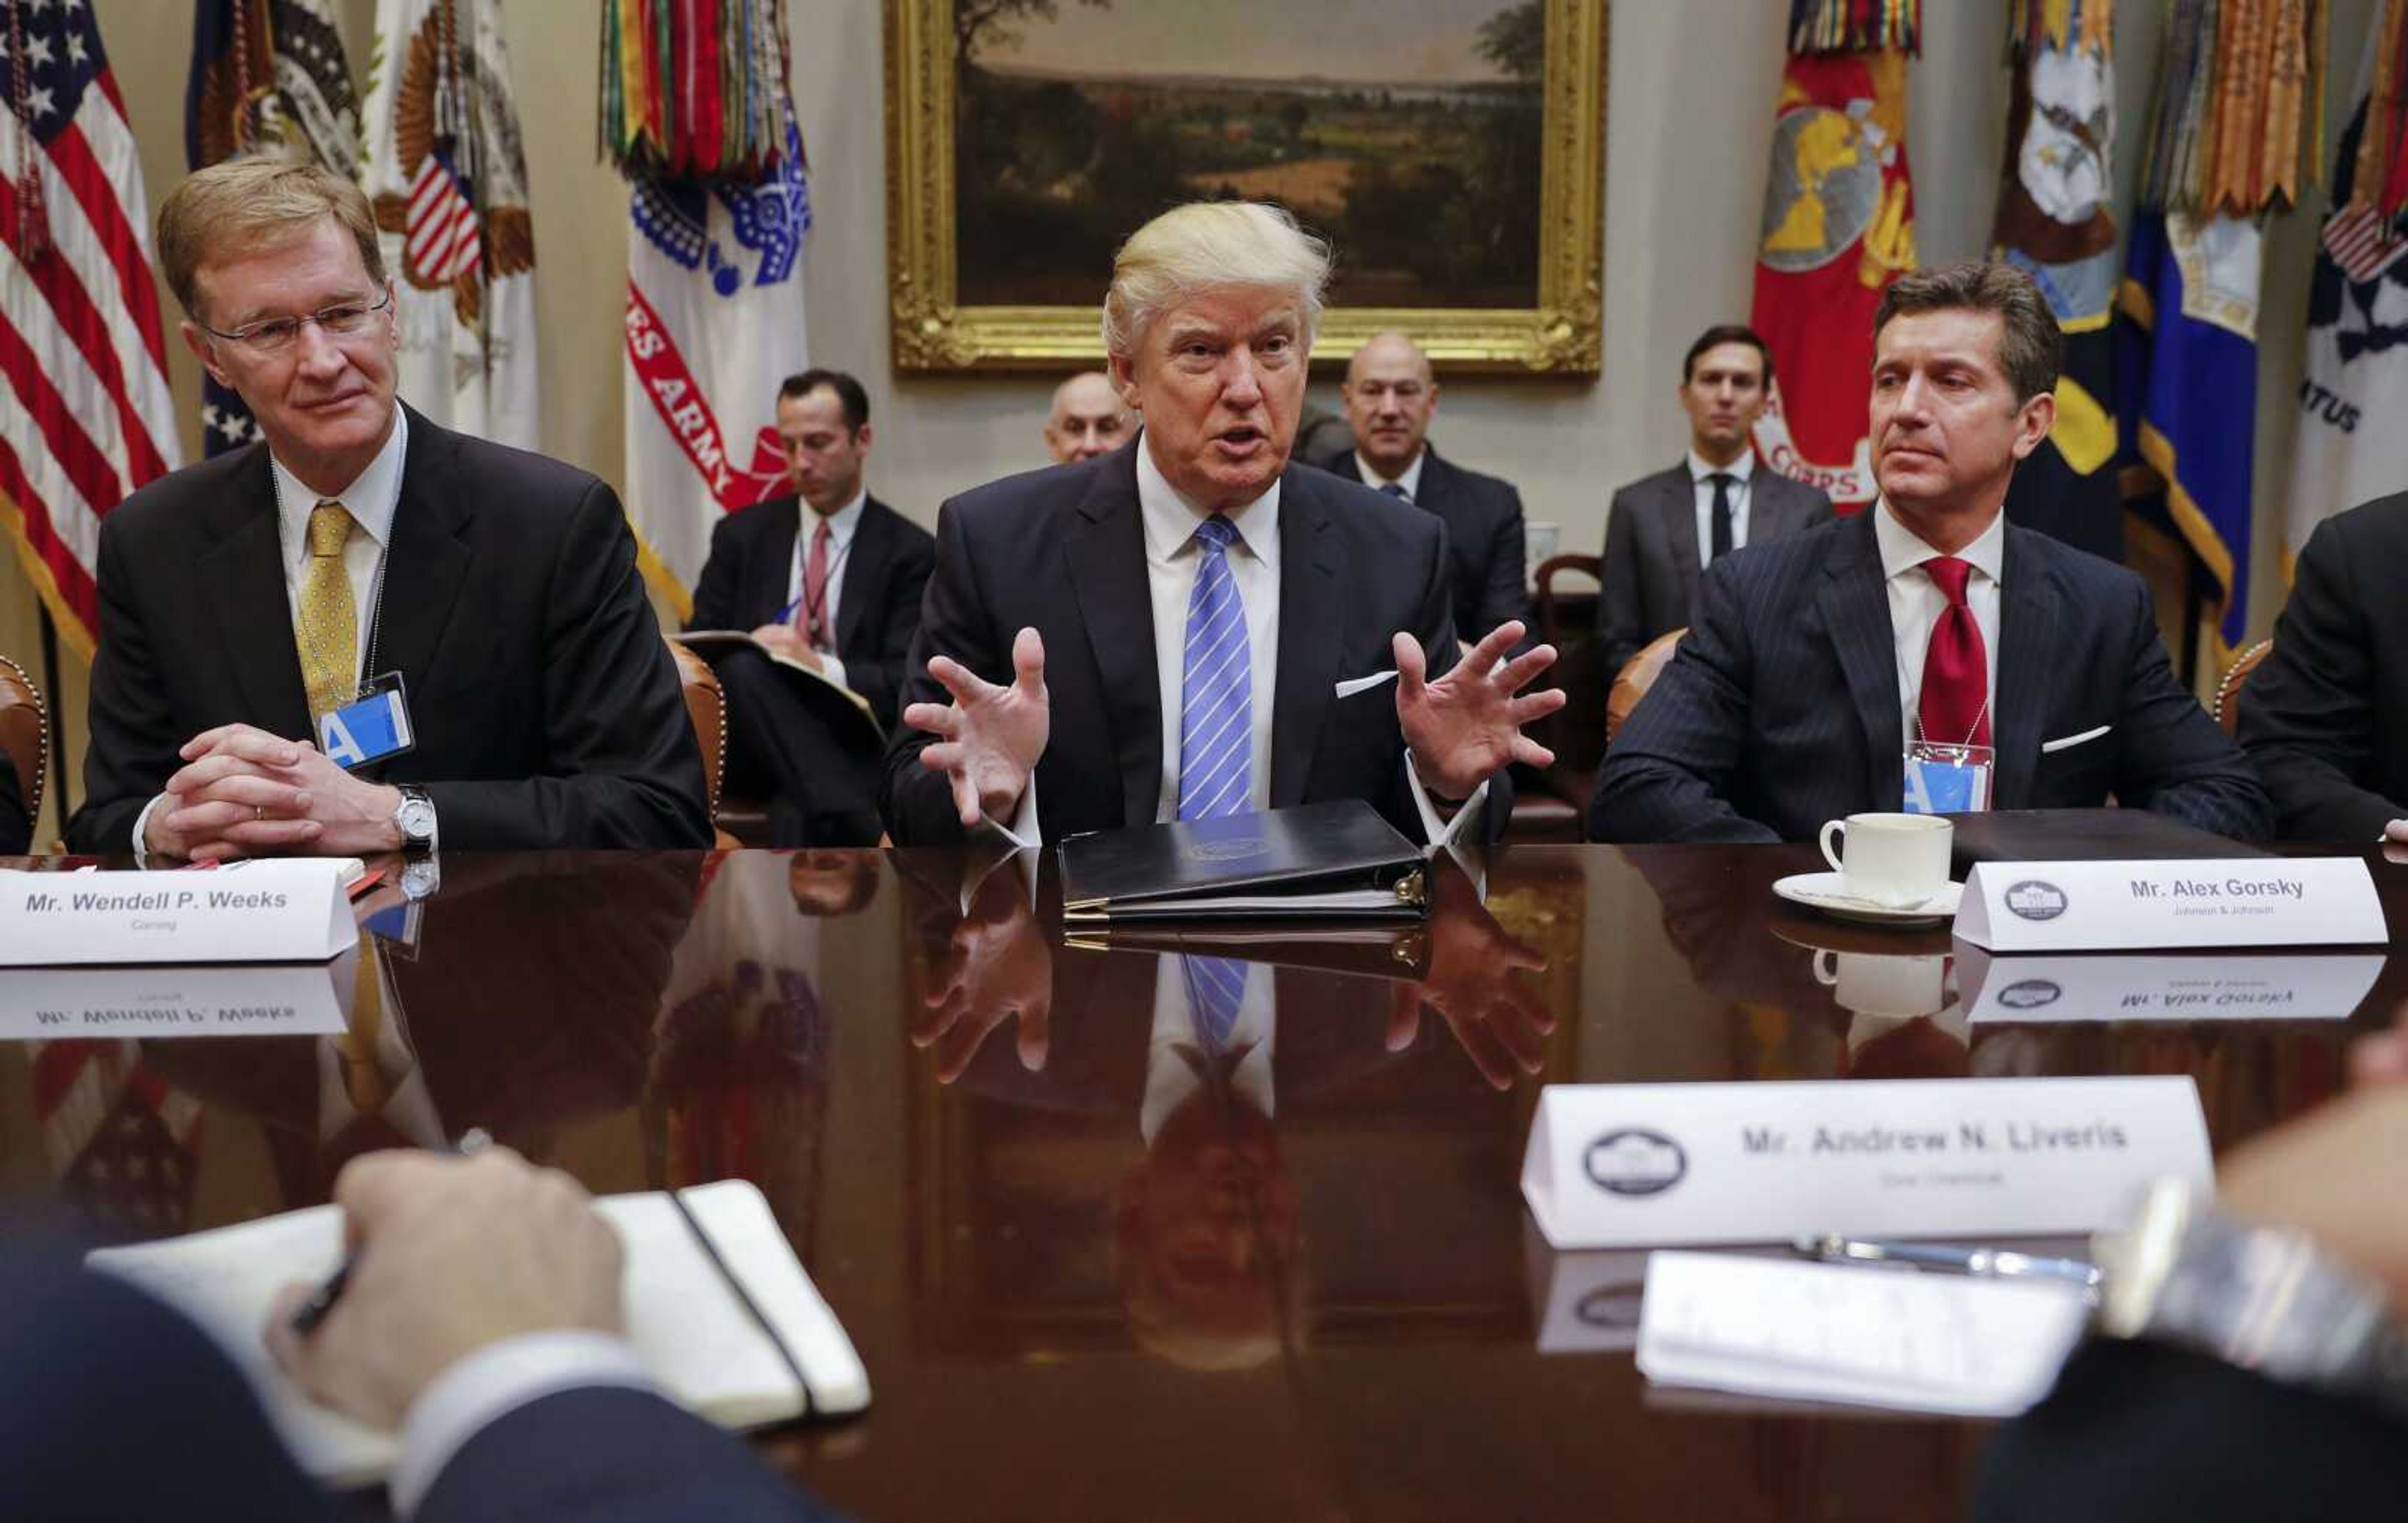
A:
x: 243, y: 202
x: 1205, y: 244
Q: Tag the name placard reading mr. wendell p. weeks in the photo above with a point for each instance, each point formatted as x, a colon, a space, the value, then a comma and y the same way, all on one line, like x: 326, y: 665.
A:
x: 2148, y: 906
x: 262, y: 911
x: 1617, y: 1165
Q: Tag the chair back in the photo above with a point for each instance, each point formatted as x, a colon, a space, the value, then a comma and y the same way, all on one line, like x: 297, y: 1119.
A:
x: 706, y: 707
x: 2228, y: 692
x: 25, y: 733
x: 1572, y: 731
x: 1636, y: 676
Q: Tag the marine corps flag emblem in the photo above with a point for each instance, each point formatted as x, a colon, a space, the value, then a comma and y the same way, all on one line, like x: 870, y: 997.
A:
x: 1839, y: 226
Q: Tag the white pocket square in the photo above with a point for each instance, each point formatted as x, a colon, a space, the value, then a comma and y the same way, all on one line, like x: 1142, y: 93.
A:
x: 2070, y: 742
x: 1353, y: 685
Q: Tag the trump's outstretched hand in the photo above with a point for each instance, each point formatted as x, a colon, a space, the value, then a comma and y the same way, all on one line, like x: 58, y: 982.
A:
x: 990, y: 736
x: 1467, y: 724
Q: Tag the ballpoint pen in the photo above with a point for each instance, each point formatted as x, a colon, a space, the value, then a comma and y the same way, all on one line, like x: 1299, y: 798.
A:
x: 321, y: 1301
x: 1992, y: 1263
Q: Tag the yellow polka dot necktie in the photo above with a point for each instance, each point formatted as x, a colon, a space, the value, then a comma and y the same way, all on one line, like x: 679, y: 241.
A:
x: 328, y: 630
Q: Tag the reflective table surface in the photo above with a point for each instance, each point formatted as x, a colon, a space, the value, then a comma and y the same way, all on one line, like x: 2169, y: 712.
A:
x: 1104, y: 1257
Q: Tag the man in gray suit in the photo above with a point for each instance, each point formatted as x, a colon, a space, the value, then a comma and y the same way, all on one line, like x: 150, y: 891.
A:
x: 1665, y: 530
x: 1927, y: 634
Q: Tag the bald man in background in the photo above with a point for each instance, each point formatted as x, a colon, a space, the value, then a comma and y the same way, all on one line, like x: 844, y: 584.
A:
x: 1088, y: 419
x: 1391, y: 396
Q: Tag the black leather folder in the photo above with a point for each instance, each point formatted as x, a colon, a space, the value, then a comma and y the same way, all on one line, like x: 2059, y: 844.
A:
x: 1338, y: 861
x: 2083, y: 835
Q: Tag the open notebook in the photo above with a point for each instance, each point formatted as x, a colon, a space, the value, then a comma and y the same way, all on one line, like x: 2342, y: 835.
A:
x: 686, y: 1326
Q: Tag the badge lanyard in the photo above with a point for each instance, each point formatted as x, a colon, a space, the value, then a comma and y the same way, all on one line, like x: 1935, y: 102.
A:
x: 813, y: 613
x: 375, y: 726
x: 1941, y: 778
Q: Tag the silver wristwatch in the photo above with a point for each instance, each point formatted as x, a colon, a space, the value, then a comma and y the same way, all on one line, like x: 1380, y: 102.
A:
x: 414, y: 817
x: 2262, y: 1298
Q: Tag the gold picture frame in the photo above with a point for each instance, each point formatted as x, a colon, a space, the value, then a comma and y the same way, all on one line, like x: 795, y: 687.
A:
x: 934, y: 333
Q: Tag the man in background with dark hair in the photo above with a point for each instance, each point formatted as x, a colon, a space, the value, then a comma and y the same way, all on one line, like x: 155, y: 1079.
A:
x: 837, y: 594
x: 1925, y: 641
x: 1664, y: 531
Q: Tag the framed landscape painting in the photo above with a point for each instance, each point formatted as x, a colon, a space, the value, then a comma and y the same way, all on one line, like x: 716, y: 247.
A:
x: 1452, y: 151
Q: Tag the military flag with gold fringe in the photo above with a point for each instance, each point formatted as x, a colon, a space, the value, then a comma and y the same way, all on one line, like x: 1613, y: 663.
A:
x: 1838, y: 227
x: 694, y: 111
x: 2054, y: 223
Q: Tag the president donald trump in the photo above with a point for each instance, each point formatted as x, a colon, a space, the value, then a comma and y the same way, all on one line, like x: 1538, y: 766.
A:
x: 1194, y: 625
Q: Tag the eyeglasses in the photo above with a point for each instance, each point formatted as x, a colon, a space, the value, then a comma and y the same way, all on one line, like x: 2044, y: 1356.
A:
x: 274, y: 335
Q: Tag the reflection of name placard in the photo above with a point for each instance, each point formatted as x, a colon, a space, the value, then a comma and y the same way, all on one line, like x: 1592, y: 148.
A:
x: 261, y: 911
x: 2233, y: 987
x: 152, y: 1002
x: 1616, y: 1165
x: 2146, y: 906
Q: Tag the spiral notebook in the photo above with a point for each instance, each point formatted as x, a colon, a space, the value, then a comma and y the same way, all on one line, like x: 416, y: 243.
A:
x: 690, y: 1329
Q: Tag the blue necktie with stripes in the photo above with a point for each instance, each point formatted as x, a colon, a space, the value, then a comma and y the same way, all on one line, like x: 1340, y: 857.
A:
x: 1216, y: 716
x: 1217, y: 989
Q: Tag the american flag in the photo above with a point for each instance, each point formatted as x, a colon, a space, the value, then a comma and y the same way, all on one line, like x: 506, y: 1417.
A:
x: 2363, y: 241
x: 85, y: 416
x: 442, y: 243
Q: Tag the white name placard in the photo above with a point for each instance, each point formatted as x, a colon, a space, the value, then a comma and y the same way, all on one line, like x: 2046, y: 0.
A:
x: 281, y: 999
x: 2148, y: 906
x: 1621, y: 1166
x: 2029, y: 991
x: 292, y: 911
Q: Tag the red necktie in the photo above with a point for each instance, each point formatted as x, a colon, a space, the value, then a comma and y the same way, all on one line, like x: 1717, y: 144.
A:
x: 806, y: 618
x: 1955, y: 708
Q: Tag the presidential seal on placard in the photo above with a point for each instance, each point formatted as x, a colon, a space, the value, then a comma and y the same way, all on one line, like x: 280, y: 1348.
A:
x: 1634, y: 1161
x: 2035, y: 901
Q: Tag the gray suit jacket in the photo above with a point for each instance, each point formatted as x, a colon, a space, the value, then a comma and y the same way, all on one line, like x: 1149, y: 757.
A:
x: 1780, y: 709
x: 1651, y: 567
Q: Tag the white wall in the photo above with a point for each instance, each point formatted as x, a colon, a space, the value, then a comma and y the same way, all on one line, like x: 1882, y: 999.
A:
x: 1690, y: 96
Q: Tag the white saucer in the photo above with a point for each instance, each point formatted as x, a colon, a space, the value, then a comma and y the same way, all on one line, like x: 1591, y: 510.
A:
x: 1820, y: 891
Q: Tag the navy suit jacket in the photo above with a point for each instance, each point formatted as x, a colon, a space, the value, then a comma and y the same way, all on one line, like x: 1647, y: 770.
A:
x: 546, y: 704
x: 1063, y: 550
x: 743, y: 586
x: 1484, y: 538
x: 1780, y: 709
x: 135, y: 1412
x: 2325, y: 717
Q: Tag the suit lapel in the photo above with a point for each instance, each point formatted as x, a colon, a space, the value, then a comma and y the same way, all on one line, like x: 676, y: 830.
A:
x: 773, y: 569
x: 1106, y: 552
x: 2027, y: 640
x: 426, y: 565
x: 1855, y: 604
x: 1312, y: 619
x: 244, y: 575
x: 864, y: 566
x: 1681, y: 527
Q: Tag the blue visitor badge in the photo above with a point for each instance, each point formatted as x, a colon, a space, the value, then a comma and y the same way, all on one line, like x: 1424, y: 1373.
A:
x: 1947, y: 779
x: 372, y: 727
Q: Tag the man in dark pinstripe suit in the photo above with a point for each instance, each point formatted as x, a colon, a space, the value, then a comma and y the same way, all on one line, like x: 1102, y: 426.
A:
x: 1815, y: 662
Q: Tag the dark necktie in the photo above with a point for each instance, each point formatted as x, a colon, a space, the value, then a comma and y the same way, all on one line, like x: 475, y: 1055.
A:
x: 1955, y: 709
x: 1395, y: 490
x: 1722, y: 542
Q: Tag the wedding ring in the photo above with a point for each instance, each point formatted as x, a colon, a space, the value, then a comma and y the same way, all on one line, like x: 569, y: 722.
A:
x: 259, y: 811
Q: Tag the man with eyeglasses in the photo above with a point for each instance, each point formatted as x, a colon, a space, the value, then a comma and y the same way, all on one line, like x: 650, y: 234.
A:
x: 1391, y: 396
x: 367, y: 632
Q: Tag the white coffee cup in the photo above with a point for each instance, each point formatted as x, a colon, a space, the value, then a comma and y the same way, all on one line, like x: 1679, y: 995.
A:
x: 1896, y: 860
x: 1871, y: 983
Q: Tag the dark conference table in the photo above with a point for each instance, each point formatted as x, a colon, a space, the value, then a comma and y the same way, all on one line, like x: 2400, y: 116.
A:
x: 1313, y: 1293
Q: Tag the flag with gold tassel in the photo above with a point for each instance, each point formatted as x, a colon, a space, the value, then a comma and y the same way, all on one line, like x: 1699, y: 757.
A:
x: 2054, y: 223
x: 695, y: 113
x: 2352, y: 445
x: 1838, y: 227
x: 2235, y: 132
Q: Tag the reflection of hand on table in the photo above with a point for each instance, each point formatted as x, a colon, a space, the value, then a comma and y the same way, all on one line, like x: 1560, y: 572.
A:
x: 996, y: 967
x: 1471, y: 985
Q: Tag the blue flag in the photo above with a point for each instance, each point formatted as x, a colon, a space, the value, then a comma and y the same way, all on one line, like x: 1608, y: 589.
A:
x: 2186, y: 392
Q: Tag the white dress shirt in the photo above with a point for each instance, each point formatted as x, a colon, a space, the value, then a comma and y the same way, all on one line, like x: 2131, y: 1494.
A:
x: 1916, y: 602
x: 372, y: 498
x: 840, y: 531
x: 1743, y: 474
x: 1410, y: 480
